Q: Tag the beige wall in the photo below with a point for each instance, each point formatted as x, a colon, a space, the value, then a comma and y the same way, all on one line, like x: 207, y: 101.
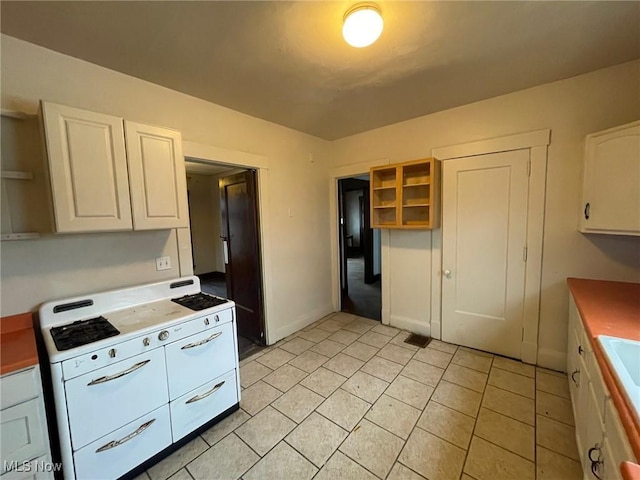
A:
x: 60, y: 266
x: 571, y: 108
x: 204, y: 215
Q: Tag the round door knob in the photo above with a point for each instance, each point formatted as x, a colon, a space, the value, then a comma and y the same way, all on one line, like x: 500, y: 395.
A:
x: 146, y: 341
x: 163, y: 335
x: 447, y: 273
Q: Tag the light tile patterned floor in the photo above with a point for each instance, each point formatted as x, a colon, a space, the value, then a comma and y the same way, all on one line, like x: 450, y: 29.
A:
x: 345, y: 398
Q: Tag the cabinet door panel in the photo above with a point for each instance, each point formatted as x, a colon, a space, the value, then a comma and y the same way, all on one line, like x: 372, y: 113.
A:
x: 158, y: 178
x: 88, y: 169
x: 594, y: 438
x: 612, y: 182
x: 23, y: 432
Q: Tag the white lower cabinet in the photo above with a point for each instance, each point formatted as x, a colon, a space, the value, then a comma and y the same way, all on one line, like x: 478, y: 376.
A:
x: 600, y: 438
x: 24, y: 441
x: 40, y: 468
x: 118, y: 452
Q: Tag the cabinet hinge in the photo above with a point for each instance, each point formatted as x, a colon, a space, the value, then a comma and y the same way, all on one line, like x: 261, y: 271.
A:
x: 529, y: 168
x: 522, y: 334
x: 525, y: 252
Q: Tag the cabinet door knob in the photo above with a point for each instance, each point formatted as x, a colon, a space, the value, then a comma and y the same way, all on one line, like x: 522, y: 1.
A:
x: 573, y: 376
x: 587, y: 208
x: 580, y: 350
x: 595, y: 464
x: 447, y: 273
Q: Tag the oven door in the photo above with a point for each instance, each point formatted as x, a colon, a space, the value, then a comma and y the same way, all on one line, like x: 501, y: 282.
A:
x: 199, y: 358
x: 104, y: 400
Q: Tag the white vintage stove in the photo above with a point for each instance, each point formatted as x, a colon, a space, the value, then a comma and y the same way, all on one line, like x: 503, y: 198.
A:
x: 136, y: 370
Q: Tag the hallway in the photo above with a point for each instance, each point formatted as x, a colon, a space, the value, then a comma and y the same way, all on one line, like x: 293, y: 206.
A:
x: 362, y: 299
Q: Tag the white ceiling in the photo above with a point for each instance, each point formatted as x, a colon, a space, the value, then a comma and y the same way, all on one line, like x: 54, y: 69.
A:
x: 286, y: 61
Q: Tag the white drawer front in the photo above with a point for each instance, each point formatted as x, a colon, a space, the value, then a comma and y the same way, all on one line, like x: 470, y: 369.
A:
x: 39, y: 469
x: 200, y: 358
x: 103, y: 400
x: 20, y: 386
x: 199, y: 406
x: 115, y: 454
x: 22, y: 432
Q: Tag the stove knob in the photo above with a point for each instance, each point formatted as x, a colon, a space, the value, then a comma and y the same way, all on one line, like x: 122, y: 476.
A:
x: 163, y: 335
x: 217, y: 318
x: 206, y: 321
x: 112, y: 353
x: 146, y: 341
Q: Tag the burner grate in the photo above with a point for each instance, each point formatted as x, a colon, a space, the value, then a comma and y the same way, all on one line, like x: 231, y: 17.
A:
x: 82, y: 332
x: 199, y: 301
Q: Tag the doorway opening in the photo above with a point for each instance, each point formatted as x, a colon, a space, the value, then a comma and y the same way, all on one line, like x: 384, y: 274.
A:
x: 360, y: 250
x: 225, y: 242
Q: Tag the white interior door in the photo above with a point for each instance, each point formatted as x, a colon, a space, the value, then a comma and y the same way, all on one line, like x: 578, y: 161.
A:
x: 484, y: 227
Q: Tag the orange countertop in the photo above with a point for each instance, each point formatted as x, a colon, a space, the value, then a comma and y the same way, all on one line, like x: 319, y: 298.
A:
x: 17, y: 343
x: 630, y: 471
x: 611, y: 308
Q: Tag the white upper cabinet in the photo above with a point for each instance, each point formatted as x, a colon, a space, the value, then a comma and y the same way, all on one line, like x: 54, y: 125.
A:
x: 611, y: 190
x: 88, y: 169
x: 158, y: 178
x: 98, y: 185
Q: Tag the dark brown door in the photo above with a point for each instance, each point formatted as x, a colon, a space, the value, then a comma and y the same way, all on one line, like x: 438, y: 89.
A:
x: 239, y: 208
x: 366, y: 238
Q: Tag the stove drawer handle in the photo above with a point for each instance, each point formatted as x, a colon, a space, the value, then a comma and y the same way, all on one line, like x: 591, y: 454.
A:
x: 201, y: 342
x: 197, y: 398
x: 115, y: 443
x: 118, y: 375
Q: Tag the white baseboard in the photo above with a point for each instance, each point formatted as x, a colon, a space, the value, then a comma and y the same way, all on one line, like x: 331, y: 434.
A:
x: 552, y: 359
x: 299, y: 323
x: 410, y: 324
x: 435, y: 330
x: 529, y: 352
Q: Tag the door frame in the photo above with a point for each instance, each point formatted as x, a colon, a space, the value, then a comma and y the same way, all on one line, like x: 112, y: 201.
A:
x: 235, y: 158
x: 336, y: 174
x: 537, y: 143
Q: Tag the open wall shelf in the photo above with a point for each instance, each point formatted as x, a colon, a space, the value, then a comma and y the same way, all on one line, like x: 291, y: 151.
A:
x: 406, y: 195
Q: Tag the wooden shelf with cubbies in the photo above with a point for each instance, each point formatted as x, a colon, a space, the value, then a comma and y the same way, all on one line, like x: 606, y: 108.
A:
x: 406, y: 195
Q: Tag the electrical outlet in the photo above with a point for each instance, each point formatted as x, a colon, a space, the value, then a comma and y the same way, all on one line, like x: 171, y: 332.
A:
x: 163, y: 263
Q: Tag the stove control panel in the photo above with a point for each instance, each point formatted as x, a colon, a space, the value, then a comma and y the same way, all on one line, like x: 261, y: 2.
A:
x: 119, y: 348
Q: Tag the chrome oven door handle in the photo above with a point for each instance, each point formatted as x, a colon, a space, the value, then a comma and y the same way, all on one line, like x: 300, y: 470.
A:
x: 201, y: 342
x: 115, y: 443
x: 197, y: 398
x: 118, y: 375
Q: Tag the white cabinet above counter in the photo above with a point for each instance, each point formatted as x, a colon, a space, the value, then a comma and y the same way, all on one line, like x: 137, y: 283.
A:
x: 611, y: 186
x: 109, y: 174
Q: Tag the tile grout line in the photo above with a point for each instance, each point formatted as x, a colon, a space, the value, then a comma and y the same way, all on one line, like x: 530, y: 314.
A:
x: 395, y: 377
x: 475, y: 422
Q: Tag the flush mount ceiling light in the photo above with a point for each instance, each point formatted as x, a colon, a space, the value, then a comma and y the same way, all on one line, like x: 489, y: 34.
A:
x: 363, y: 25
